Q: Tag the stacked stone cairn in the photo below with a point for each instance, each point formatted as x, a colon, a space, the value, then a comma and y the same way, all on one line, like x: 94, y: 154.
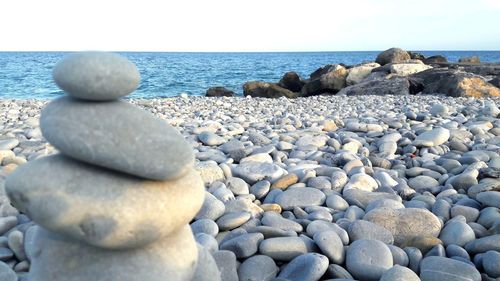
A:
x: 116, y: 202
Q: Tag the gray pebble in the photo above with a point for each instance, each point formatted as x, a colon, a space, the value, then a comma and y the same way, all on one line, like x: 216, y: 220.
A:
x: 440, y: 268
x: 399, y: 273
x: 365, y: 230
x: 243, y: 246
x: 330, y: 245
x: 307, y: 267
x: 257, y: 268
x: 368, y: 259
x: 227, y: 264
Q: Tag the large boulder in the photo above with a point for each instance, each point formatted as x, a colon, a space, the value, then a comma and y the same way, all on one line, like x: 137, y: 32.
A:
x: 291, y: 81
x: 405, y: 69
x: 435, y: 59
x: 392, y: 86
x: 394, y: 55
x: 472, y: 59
x: 266, y: 90
x: 219, y: 92
x: 357, y: 73
x: 452, y: 82
x: 328, y: 79
x: 416, y: 56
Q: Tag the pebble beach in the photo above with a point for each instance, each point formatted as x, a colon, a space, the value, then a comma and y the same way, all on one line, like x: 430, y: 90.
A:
x: 317, y: 188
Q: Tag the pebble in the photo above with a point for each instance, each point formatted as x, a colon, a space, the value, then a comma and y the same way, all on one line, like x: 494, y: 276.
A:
x: 252, y: 172
x: 207, y: 226
x: 300, y: 197
x: 227, y: 264
x: 211, y: 209
x: 399, y: 273
x: 7, y: 223
x: 6, y: 273
x: 336, y: 271
x: 441, y: 268
x: 330, y: 245
x: 273, y: 219
x: 422, y: 183
x: 283, y: 248
x: 206, y: 268
x: 484, y: 244
x: 230, y: 221
x: 491, y: 263
x: 100, y: 134
x: 243, y: 246
x: 211, y: 139
x: 257, y: 268
x: 307, y: 267
x: 365, y: 230
x: 96, y: 76
x: 237, y: 186
x: 489, y: 198
x: 457, y: 233
x: 368, y: 259
x: 432, y: 138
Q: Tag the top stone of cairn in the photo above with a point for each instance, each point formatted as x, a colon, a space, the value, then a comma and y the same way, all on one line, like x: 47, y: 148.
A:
x: 96, y: 76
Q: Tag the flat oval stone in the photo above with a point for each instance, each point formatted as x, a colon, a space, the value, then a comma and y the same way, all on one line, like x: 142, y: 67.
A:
x: 96, y: 76
x: 61, y: 259
x: 206, y: 268
x: 300, y: 197
x: 398, y: 272
x: 361, y: 229
x: 257, y: 268
x: 457, y: 233
x: 283, y: 248
x: 95, y: 205
x: 491, y: 263
x: 6, y: 273
x: 307, y: 267
x: 243, y: 246
x: 116, y: 135
x: 484, y: 244
x: 368, y: 259
x: 405, y: 223
x: 440, y: 268
x: 330, y: 245
x: 435, y: 137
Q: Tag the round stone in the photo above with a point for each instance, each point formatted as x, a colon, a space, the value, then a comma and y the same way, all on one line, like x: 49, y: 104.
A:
x: 283, y: 248
x: 97, y: 76
x: 368, y: 259
x: 441, y: 268
x: 435, y: 137
x: 232, y: 220
x: 491, y: 263
x: 457, y: 233
x: 6, y: 273
x: 330, y: 245
x: 60, y: 259
x: 307, y: 267
x: 422, y: 183
x: 397, y: 273
x: 206, y: 268
x: 243, y: 246
x: 257, y: 268
x: 405, y: 223
x: 205, y: 226
x: 93, y: 205
x: 211, y: 209
x: 237, y: 186
x: 211, y: 139
x: 116, y: 135
x: 252, y: 172
x: 365, y: 230
x: 300, y: 197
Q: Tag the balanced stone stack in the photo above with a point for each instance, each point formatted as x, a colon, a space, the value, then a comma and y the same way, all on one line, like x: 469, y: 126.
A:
x: 116, y: 202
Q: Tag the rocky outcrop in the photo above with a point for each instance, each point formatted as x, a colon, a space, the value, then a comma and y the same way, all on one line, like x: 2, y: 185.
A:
x: 392, y: 55
x: 471, y: 59
x: 391, y: 86
x: 219, y: 92
x: 435, y: 59
x: 266, y: 90
x: 291, y: 81
x: 452, y: 82
x: 328, y: 79
x: 356, y: 74
x: 416, y: 56
x: 405, y: 69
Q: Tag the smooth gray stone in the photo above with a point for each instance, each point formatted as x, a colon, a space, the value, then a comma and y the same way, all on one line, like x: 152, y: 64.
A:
x: 205, y: 226
x: 320, y: 226
x: 7, y: 223
x: 211, y: 139
x: 437, y: 251
x: 354, y: 213
x: 399, y: 273
x: 227, y: 264
x: 116, y: 135
x: 488, y: 216
x: 16, y: 244
x: 274, y: 219
x: 491, y: 263
x: 330, y: 245
x: 414, y: 258
x: 399, y: 256
x: 207, y: 241
x: 243, y: 246
x: 338, y: 272
x: 362, y: 198
x: 232, y: 220
x: 440, y: 268
x: 8, y: 144
x: 454, y: 250
x: 93, y: 204
x: 283, y: 248
x: 237, y: 186
x: 336, y: 202
x: 383, y: 202
x: 470, y: 214
x: 307, y: 267
x: 484, y: 244
x: 257, y: 268
x: 368, y: 259
x: 6, y: 273
x: 365, y: 230
x: 212, y: 208
x: 458, y: 233
x: 422, y: 183
x: 489, y: 198
x: 231, y: 234
x: 441, y: 208
x: 206, y: 268
x: 96, y: 76
x: 435, y: 137
x: 252, y: 172
x: 57, y: 258
x: 260, y: 189
x: 5, y: 254
x: 271, y: 232
x: 300, y: 197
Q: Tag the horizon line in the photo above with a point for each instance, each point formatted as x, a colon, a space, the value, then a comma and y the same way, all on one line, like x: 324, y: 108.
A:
x: 156, y: 51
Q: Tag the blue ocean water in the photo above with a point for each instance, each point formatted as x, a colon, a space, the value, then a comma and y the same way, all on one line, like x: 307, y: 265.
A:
x: 28, y: 74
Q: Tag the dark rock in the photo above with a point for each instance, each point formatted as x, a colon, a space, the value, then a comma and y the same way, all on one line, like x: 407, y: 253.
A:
x: 219, y: 92
x: 435, y: 59
x: 392, y: 86
x: 451, y: 82
x: 395, y: 55
x: 495, y: 82
x: 266, y: 90
x: 327, y: 79
x: 291, y: 81
x: 416, y: 56
x: 472, y: 59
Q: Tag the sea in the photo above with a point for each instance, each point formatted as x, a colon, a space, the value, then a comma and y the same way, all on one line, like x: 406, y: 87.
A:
x: 26, y: 75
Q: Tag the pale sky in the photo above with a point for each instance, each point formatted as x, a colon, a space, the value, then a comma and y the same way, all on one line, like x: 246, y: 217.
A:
x: 248, y: 25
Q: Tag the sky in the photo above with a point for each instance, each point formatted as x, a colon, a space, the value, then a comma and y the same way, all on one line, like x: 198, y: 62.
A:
x: 248, y: 25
